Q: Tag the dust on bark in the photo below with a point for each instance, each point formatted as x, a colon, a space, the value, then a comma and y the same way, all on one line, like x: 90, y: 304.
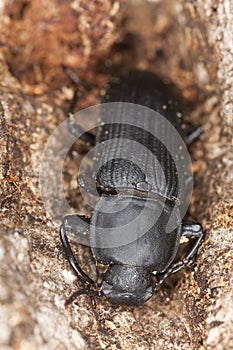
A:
x: 185, y: 42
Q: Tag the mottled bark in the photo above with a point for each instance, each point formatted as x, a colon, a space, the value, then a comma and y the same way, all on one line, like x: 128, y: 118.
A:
x: 187, y: 42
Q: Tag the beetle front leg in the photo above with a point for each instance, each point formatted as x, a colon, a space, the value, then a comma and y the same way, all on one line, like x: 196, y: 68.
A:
x: 76, y: 225
x: 189, y: 230
x: 192, y: 230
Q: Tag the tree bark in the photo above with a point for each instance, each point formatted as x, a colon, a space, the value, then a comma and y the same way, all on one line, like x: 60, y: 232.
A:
x: 189, y: 43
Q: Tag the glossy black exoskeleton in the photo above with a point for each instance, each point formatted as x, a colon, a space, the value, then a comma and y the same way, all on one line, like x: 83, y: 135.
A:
x: 128, y: 279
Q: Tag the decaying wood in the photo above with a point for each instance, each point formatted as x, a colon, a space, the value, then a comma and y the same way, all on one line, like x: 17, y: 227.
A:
x: 187, y: 42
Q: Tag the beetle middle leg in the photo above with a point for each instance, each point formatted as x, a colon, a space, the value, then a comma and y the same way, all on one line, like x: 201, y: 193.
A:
x: 192, y: 132
x: 189, y: 230
x: 76, y: 129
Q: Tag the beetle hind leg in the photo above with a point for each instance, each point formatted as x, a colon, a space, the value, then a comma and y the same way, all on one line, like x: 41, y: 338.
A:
x: 76, y: 129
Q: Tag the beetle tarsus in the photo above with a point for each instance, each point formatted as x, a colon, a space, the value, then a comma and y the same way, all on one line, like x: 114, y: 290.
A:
x: 192, y: 230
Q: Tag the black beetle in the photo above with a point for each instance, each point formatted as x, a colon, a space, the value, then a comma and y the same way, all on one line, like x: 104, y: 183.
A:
x: 128, y: 279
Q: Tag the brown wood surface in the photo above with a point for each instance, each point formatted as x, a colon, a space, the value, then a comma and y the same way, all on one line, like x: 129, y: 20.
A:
x: 187, y: 42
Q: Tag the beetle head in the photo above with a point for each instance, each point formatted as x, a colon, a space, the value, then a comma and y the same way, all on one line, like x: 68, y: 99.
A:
x: 127, y: 285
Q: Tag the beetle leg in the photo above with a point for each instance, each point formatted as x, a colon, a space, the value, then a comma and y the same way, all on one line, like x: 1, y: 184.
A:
x: 76, y: 82
x: 192, y: 230
x: 189, y: 230
x: 74, y: 224
x: 171, y: 270
x: 76, y: 129
x: 193, y: 133
x: 88, y: 185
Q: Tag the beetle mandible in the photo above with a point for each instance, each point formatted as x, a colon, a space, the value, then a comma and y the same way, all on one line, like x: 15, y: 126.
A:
x: 123, y: 186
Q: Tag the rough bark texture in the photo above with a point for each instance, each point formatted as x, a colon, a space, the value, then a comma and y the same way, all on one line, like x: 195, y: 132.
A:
x: 187, y: 42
